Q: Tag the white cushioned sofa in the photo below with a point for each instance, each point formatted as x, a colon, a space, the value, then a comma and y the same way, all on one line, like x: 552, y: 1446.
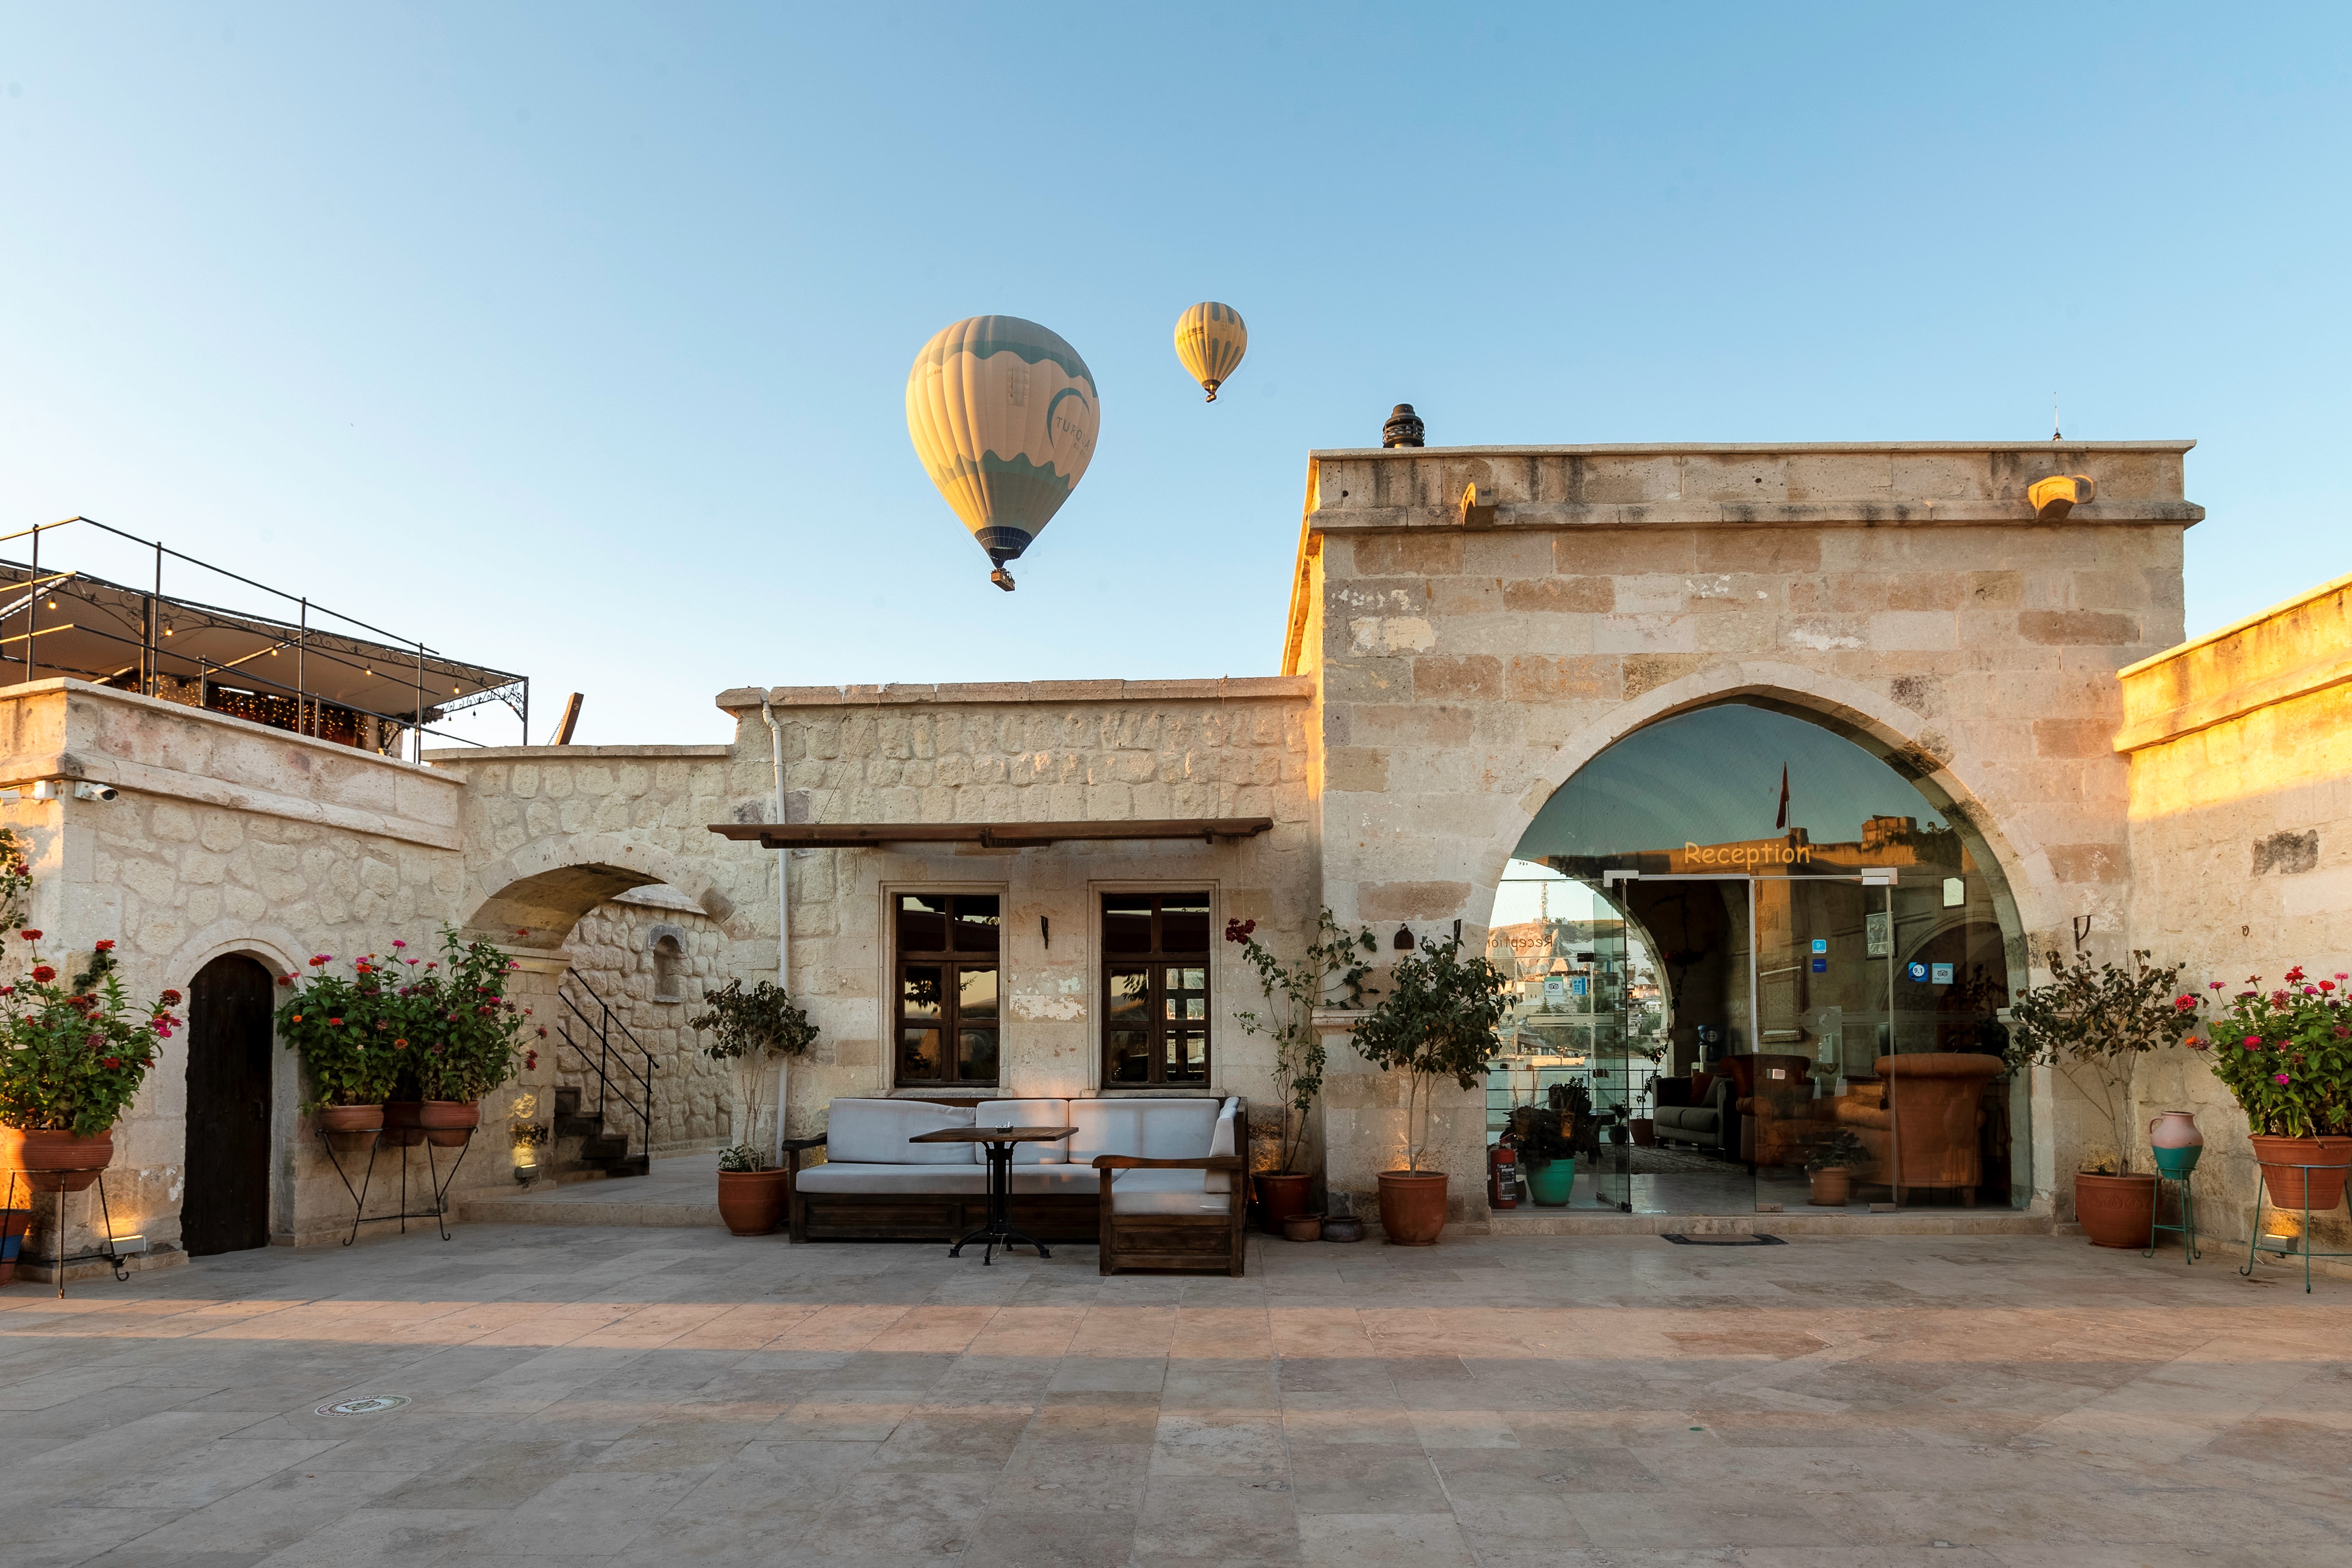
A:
x: 1157, y: 1182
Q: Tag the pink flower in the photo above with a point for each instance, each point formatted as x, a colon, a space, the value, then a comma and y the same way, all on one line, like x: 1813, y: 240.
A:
x: 2278, y: 1078
x: 2254, y: 1042
x: 2182, y: 1004
x: 399, y: 944
x: 2217, y: 986
x: 321, y: 960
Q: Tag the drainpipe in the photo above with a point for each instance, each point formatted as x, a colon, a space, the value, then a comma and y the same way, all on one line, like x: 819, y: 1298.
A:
x: 784, y: 918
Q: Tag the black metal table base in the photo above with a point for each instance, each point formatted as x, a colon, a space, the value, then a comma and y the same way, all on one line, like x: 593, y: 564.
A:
x: 999, y: 1232
x: 107, y: 1254
x: 435, y: 1182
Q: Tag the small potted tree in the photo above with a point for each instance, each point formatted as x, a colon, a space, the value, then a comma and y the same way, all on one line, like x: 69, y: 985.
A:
x: 1334, y: 962
x: 753, y: 1027
x: 2286, y: 1055
x: 1437, y: 1022
x: 2091, y: 1025
x: 72, y: 1057
x: 1830, y: 1163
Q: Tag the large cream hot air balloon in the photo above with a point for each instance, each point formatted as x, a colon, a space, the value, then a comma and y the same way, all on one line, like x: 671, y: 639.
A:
x: 1003, y: 414
x: 1211, y: 341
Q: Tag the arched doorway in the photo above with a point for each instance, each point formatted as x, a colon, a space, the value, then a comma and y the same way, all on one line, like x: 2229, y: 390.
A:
x: 227, y: 1205
x: 1741, y: 941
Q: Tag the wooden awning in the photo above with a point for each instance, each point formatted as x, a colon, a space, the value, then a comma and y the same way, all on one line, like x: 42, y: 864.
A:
x: 986, y: 834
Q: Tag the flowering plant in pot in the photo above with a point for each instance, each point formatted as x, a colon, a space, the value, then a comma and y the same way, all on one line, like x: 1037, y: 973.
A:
x: 464, y: 1034
x: 2286, y: 1055
x: 1330, y: 973
x: 1437, y: 1022
x: 72, y: 1057
x: 755, y: 1027
x: 2092, y: 1025
x: 345, y: 1031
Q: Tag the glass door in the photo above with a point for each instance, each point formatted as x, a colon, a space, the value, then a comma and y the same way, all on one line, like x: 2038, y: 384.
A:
x: 1824, y: 995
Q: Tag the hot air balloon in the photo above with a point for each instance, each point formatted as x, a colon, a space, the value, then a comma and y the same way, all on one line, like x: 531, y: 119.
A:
x: 1211, y: 341
x: 1003, y: 414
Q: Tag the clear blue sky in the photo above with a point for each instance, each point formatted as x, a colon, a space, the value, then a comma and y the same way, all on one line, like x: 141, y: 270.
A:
x: 573, y: 338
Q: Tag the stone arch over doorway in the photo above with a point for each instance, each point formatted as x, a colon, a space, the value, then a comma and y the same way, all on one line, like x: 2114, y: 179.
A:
x: 1952, y: 779
x: 280, y: 951
x: 544, y: 887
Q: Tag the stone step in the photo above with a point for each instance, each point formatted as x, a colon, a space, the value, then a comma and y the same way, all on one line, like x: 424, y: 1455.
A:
x: 603, y: 1148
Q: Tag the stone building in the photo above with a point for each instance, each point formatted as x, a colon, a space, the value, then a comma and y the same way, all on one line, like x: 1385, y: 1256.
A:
x: 1021, y: 889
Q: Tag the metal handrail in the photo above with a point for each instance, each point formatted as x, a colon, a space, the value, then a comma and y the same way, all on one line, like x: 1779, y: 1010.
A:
x: 608, y: 1056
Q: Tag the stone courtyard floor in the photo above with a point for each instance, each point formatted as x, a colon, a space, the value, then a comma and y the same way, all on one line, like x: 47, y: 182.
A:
x: 652, y: 1396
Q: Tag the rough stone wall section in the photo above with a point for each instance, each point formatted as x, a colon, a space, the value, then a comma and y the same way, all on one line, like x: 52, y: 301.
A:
x: 613, y: 949
x: 1906, y: 594
x: 2240, y: 748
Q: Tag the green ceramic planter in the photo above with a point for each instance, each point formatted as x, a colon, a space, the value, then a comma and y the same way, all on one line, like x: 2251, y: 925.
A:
x: 1549, y: 1184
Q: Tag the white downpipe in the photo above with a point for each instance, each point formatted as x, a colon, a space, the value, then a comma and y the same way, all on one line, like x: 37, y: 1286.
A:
x: 783, y: 922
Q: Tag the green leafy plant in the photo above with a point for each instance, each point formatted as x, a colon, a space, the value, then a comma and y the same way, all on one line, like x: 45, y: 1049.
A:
x: 1543, y: 1135
x: 753, y: 1027
x: 1330, y: 973
x: 1437, y: 1022
x: 2285, y: 1055
x: 1840, y: 1150
x: 2092, y: 1026
x: 470, y: 1032
x: 72, y: 1056
x: 347, y: 1030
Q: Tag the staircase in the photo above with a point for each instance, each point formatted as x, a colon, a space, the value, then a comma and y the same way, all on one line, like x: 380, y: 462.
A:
x: 621, y: 1079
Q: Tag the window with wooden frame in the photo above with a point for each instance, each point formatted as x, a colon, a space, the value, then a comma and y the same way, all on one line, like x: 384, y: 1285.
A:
x: 1155, y: 949
x: 946, y: 971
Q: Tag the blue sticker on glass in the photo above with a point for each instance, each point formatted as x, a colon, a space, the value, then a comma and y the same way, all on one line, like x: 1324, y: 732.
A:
x: 1943, y: 972
x: 1919, y: 971
x: 1820, y: 944
x: 1821, y: 966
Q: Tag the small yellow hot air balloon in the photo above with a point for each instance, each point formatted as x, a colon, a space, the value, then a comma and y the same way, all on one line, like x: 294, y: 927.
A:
x: 1211, y: 341
x: 1003, y: 414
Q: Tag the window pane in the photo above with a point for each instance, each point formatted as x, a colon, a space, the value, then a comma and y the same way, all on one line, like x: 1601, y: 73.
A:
x: 919, y: 1054
x: 1131, y: 997
x: 975, y: 922
x: 977, y: 1049
x: 1184, y: 922
x: 1126, y: 922
x: 922, y: 923
x: 1196, y: 980
x: 918, y: 991
x: 976, y: 996
x: 1187, y: 1055
x: 1131, y: 1056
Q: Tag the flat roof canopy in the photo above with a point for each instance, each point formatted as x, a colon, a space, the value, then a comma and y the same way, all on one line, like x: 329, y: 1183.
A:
x: 987, y: 834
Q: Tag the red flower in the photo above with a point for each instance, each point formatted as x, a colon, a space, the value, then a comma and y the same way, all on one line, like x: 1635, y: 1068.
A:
x: 333, y: 1022
x: 106, y: 946
x: 2327, y: 985
x: 400, y: 1045
x: 2295, y: 974
x: 2194, y: 1043
x: 285, y: 980
x: 171, y: 998
x: 2183, y: 1004
x: 110, y: 1063
x: 43, y: 975
x: 1239, y: 930
x: 530, y: 1061
x: 29, y: 934
x: 321, y: 960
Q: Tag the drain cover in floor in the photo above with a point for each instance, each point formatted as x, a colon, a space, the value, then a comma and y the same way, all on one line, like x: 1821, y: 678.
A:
x: 363, y: 1407
x: 1720, y: 1238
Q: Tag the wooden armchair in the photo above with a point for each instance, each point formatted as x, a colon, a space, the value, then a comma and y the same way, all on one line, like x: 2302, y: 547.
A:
x: 1172, y: 1221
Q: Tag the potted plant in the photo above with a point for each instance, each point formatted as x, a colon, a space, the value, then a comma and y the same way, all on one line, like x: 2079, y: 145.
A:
x: 463, y: 1036
x: 1547, y: 1140
x: 2091, y: 1026
x: 1333, y: 962
x: 341, y: 1028
x: 1830, y: 1165
x: 2286, y: 1055
x: 1644, y: 1127
x: 1437, y: 1022
x: 72, y: 1057
x: 755, y: 1027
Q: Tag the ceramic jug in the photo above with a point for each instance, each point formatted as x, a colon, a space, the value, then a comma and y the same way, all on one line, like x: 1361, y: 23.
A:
x: 2173, y: 1135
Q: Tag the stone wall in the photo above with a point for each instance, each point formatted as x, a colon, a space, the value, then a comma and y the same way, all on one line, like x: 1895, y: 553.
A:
x: 1469, y: 659
x: 2240, y: 748
x: 614, y: 950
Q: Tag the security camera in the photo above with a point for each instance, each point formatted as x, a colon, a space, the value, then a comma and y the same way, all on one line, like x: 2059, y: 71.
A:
x: 93, y: 792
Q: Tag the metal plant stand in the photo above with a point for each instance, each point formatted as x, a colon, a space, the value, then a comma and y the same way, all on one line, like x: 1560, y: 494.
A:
x: 437, y: 1183
x: 2279, y: 1244
x: 2187, y: 1228
x: 103, y: 1255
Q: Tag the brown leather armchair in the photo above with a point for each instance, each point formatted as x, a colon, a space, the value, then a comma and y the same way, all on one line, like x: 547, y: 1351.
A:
x: 1775, y: 1107
x: 1929, y: 1108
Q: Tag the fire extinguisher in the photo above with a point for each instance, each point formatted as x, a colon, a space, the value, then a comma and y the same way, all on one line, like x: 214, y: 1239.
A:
x: 1502, y: 1176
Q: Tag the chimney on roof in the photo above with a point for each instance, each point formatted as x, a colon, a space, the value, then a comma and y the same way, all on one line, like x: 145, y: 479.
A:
x: 1403, y: 429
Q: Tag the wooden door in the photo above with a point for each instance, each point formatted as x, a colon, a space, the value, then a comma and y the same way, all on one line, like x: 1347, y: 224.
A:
x: 226, y: 1208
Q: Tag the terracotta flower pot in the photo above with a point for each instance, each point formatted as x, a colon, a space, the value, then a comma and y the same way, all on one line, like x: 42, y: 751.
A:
x: 751, y: 1202
x: 350, y: 1118
x: 1303, y: 1226
x: 447, y: 1121
x: 55, y: 1162
x: 1412, y: 1206
x: 1645, y: 1131
x: 2280, y: 1156
x: 1280, y: 1196
x: 401, y: 1118
x: 2115, y: 1211
x: 1833, y: 1189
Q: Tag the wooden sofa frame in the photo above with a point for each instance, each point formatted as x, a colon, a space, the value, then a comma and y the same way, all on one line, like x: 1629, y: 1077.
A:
x: 1205, y: 1240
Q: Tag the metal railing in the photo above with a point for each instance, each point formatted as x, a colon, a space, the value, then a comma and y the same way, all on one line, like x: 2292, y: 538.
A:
x: 616, y: 1075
